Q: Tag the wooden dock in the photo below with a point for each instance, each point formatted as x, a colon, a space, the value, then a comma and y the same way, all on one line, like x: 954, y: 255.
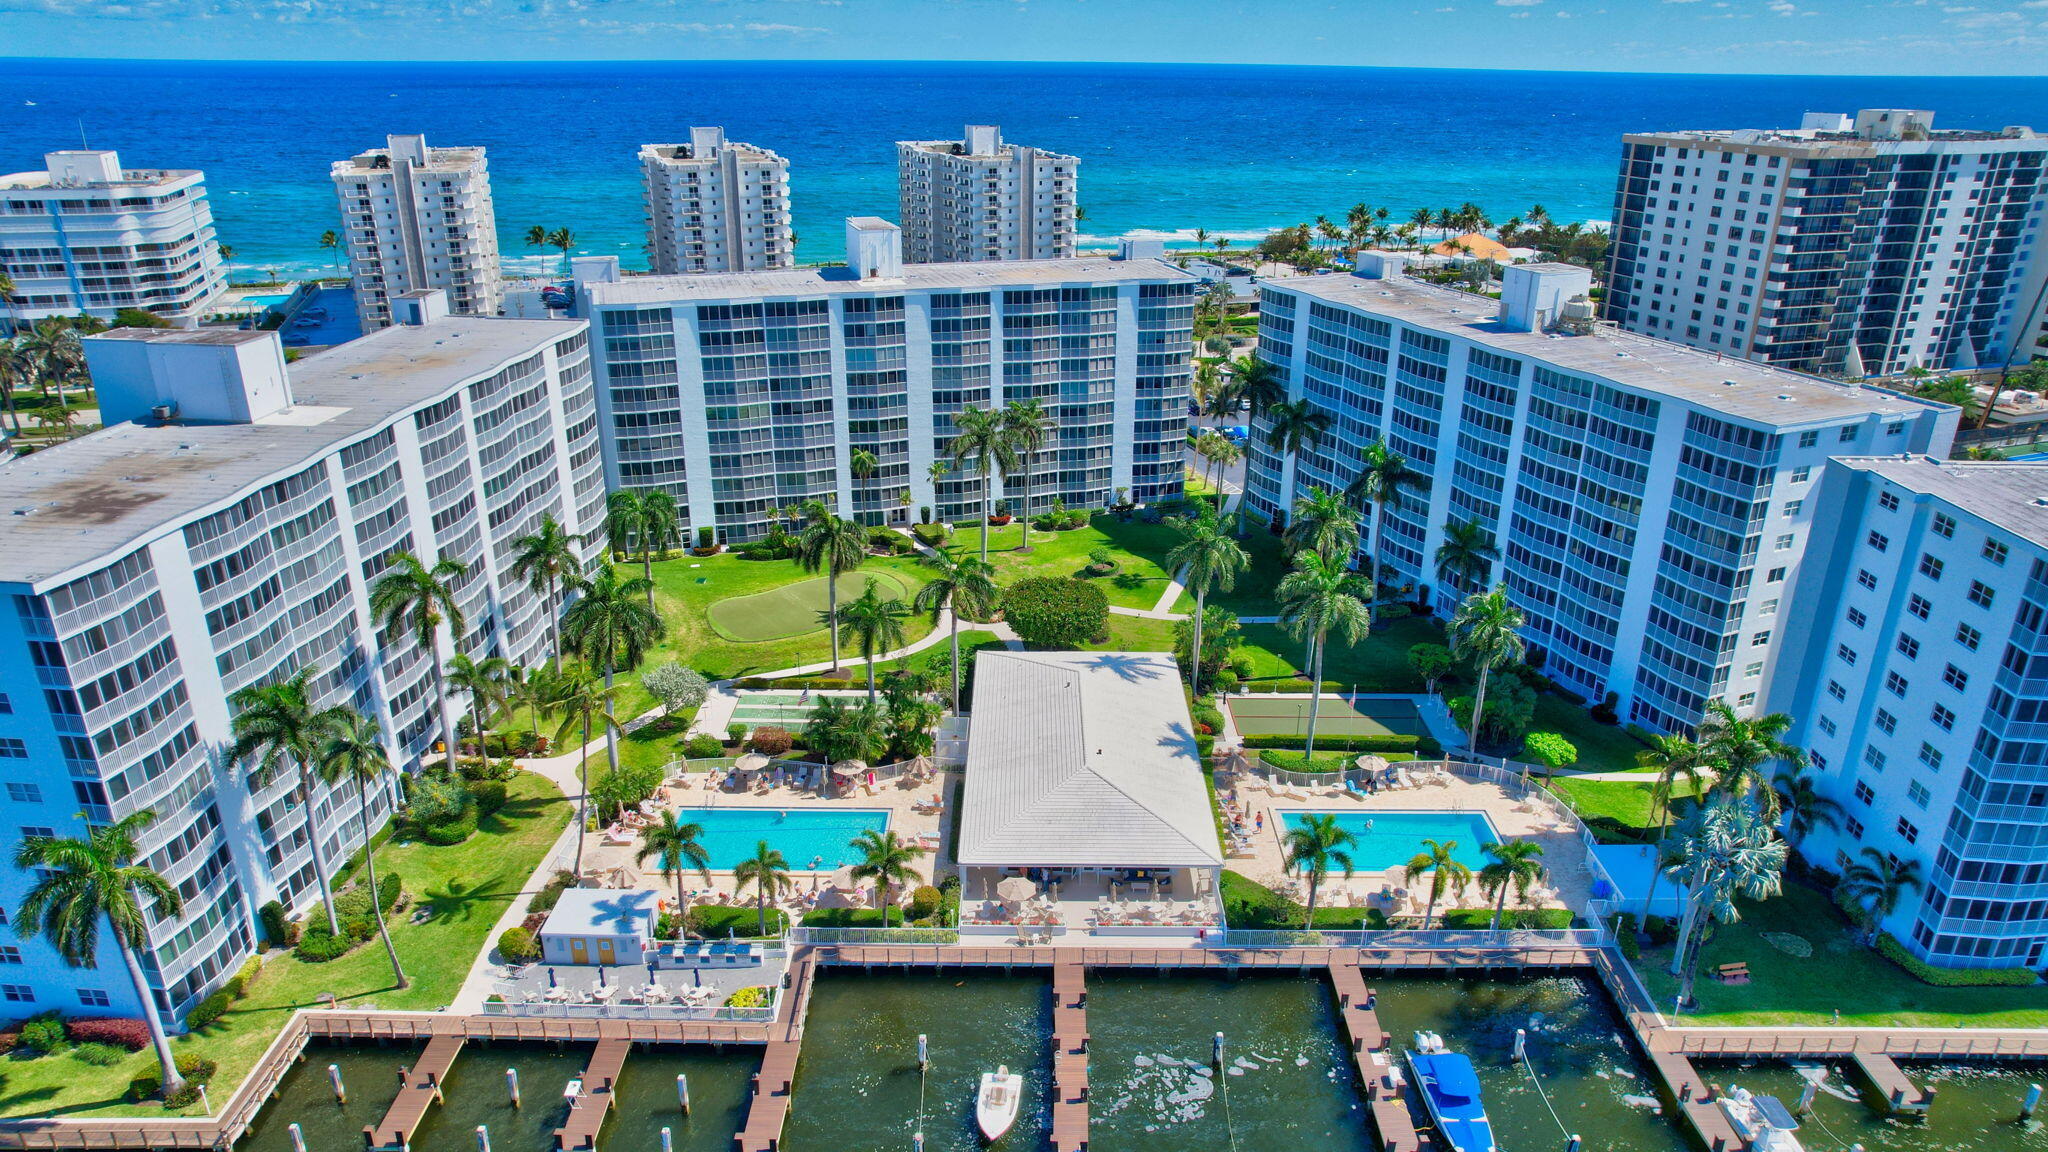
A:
x: 775, y: 1083
x: 1372, y: 1052
x: 1900, y: 1094
x: 587, y: 1111
x: 421, y: 1091
x: 1070, y: 1056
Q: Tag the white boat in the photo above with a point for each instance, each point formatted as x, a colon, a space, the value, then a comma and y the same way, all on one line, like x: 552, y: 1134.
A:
x: 995, y: 1106
x: 1449, y: 1089
x: 1763, y: 1122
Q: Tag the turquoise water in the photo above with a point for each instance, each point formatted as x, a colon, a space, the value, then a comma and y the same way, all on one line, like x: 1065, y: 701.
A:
x: 1391, y: 839
x: 267, y: 299
x: 802, y: 835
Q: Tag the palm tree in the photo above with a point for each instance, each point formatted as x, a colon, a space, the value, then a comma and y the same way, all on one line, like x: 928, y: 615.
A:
x: 7, y: 302
x: 1030, y: 427
x: 1877, y: 883
x: 547, y: 561
x: 414, y: 600
x: 677, y: 844
x: 885, y: 859
x: 611, y: 630
x: 842, y: 729
x: 1676, y: 759
x: 1256, y: 383
x: 1383, y: 480
x: 837, y: 547
x: 1446, y: 873
x: 1319, y: 597
x: 1206, y: 557
x: 768, y: 873
x: 1324, y: 522
x: 873, y: 623
x: 1742, y: 747
x: 960, y: 584
x: 80, y: 883
x: 1511, y: 864
x: 861, y: 463
x: 625, y: 520
x: 661, y: 528
x: 563, y: 239
x: 1465, y: 559
x: 1484, y: 634
x: 537, y: 236
x: 983, y: 437
x: 1293, y: 427
x: 577, y: 693
x: 1726, y: 849
x: 354, y: 753
x: 331, y: 241
x: 276, y: 727
x: 488, y: 684
x: 1804, y: 806
x: 1310, y: 848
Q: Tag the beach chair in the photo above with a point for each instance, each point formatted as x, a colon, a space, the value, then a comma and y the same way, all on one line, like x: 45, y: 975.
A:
x: 1352, y: 789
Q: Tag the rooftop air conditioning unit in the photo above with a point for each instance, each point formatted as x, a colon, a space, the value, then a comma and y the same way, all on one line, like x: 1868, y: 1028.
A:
x: 164, y: 413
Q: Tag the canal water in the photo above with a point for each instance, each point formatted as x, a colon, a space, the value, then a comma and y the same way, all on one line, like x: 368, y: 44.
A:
x: 306, y: 1096
x: 1976, y: 1109
x: 475, y: 1094
x: 1285, y: 1083
x: 858, y: 1086
x: 647, y: 1102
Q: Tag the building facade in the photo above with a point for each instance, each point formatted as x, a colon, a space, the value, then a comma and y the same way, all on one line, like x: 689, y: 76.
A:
x: 224, y: 530
x: 1855, y: 247
x: 743, y: 393
x: 87, y: 235
x: 716, y: 205
x: 978, y: 198
x: 1649, y: 503
x: 1923, y: 694
x: 418, y: 218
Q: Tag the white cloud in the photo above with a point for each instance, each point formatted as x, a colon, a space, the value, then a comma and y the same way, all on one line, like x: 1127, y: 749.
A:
x: 1517, y: 3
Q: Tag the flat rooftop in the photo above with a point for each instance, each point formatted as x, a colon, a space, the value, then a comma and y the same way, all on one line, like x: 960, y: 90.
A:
x: 1739, y: 388
x: 841, y: 281
x: 130, y: 178
x: 96, y: 496
x: 2013, y: 496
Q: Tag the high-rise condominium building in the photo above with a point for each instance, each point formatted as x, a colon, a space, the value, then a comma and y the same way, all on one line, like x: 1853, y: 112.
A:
x: 225, y: 530
x: 86, y: 235
x: 417, y: 217
x: 978, y: 198
x: 746, y: 392
x: 1922, y: 694
x: 1853, y: 247
x: 1649, y: 503
x: 716, y: 205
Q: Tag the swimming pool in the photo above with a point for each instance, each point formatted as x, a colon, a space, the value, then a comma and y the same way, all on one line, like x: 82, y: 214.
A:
x: 1391, y: 839
x: 266, y: 299
x: 802, y: 835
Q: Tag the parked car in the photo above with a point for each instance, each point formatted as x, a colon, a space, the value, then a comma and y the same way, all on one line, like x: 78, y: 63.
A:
x: 1237, y: 433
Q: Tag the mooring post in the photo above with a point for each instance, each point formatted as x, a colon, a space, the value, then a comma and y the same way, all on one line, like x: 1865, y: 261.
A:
x: 2032, y: 1102
x: 1571, y: 1144
x: 668, y: 1142
x: 298, y: 1137
x: 924, y: 1054
x: 1219, y: 1049
x: 334, y: 1078
x: 483, y: 1139
x: 1521, y: 1044
x: 683, y: 1092
x: 1806, y: 1095
x: 512, y: 1085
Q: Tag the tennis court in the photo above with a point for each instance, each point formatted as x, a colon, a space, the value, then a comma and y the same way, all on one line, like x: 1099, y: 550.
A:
x: 782, y: 709
x: 793, y: 609
x: 1337, y: 716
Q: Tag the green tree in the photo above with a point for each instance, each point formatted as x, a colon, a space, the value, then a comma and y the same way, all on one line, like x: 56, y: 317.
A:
x: 1725, y: 849
x: 1875, y: 884
x: 873, y: 623
x: 563, y: 239
x: 1446, y: 873
x: 276, y: 728
x: 414, y: 600
x: 661, y: 528
x: 886, y: 859
x: 1206, y: 558
x: 1294, y: 427
x: 81, y: 883
x: 1217, y: 632
x: 1485, y: 633
x: 677, y: 686
x: 1256, y: 383
x: 678, y: 845
x: 1550, y: 750
x: 767, y: 873
x: 1743, y: 747
x: 1432, y: 662
x: 625, y: 519
x: 1311, y: 848
x: 488, y: 685
x: 1510, y: 864
x: 353, y: 753
x: 983, y: 437
x: 1465, y: 559
x: 1324, y: 522
x: 959, y: 584
x: 1804, y: 806
x: 1030, y: 428
x: 546, y: 560
x: 611, y: 629
x: 842, y: 729
x: 331, y: 240
x: 1384, y: 481
x: 576, y: 694
x: 1053, y: 612
x: 835, y: 546
x: 1676, y: 760
x: 1321, y: 597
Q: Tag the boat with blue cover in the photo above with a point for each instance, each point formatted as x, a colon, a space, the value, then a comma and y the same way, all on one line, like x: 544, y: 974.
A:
x: 1449, y: 1089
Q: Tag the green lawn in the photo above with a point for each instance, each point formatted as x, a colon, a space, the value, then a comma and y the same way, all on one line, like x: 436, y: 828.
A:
x: 1378, y: 664
x: 1139, y: 547
x: 468, y: 886
x: 1136, y: 634
x: 1602, y: 747
x: 1252, y: 593
x: 794, y: 609
x: 970, y: 639
x: 1617, y: 810
x: 1841, y: 973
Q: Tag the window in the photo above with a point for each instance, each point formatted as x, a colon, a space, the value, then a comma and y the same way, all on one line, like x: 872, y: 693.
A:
x: 9, y: 954
x: 1968, y: 637
x: 1865, y: 793
x: 1865, y: 577
x: 1809, y: 439
x: 1854, y: 826
x: 1889, y: 501
x: 1857, y: 617
x: 1895, y: 684
x: 1847, y: 433
x: 1886, y: 721
x: 1826, y: 725
x: 1756, y: 669
x: 1873, y: 758
x: 1763, y: 637
x: 19, y: 993
x: 1908, y: 647
x: 1785, y: 542
x: 1774, y: 576
x: 1943, y: 718
x: 1792, y: 508
x: 1919, y: 606
x: 1981, y: 594
x: 1745, y: 700
x: 1918, y: 794
x: 1944, y: 525
x: 1994, y: 551
x: 12, y: 748
x: 1768, y: 607
x: 22, y: 793
x: 1908, y: 830
x: 1930, y: 755
x: 1845, y: 654
x: 1955, y: 678
x: 1802, y: 473
x: 1930, y: 566
x: 1836, y: 690
x: 1879, y: 541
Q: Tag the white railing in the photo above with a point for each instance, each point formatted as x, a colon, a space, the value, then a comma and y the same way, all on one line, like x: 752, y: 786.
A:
x: 1409, y: 940
x: 545, y: 1011
x: 889, y: 936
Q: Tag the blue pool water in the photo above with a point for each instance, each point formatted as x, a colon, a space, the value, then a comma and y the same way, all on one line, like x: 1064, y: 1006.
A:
x: 802, y: 835
x: 1391, y: 839
x: 267, y: 299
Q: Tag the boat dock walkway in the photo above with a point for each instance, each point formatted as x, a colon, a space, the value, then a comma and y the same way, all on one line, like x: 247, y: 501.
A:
x: 1070, y: 1056
x: 587, y: 1110
x: 421, y: 1091
x: 1372, y: 1050
x: 1899, y: 1093
x: 775, y: 1083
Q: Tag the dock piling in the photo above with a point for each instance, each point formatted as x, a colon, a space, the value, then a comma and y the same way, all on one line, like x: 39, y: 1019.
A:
x: 483, y: 1139
x: 683, y: 1091
x: 512, y: 1085
x: 298, y: 1137
x: 668, y: 1141
x: 340, y: 1089
x: 2032, y: 1102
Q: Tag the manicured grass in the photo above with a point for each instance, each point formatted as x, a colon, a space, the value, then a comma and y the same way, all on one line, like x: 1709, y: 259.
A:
x: 1841, y: 974
x: 1617, y: 810
x: 970, y: 639
x: 468, y: 886
x: 1602, y: 747
x: 1136, y: 634
x: 1252, y: 592
x: 1378, y: 664
x: 1139, y: 547
x: 792, y: 609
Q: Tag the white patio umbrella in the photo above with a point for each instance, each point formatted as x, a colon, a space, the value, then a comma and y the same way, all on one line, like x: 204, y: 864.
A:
x: 1236, y: 764
x: 751, y: 762
x: 918, y: 768
x: 850, y: 768
x: 1016, y: 889
x: 1371, y: 763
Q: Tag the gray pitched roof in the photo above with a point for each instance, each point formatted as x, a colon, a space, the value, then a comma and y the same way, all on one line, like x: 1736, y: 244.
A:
x: 602, y: 912
x: 1083, y: 758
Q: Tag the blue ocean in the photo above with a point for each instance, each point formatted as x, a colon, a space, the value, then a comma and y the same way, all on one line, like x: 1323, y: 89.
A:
x: 1165, y: 149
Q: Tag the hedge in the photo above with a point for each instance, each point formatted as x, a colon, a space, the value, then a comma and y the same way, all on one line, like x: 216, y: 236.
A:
x: 723, y: 920
x: 449, y: 833
x: 1547, y: 919
x: 318, y: 945
x: 1294, y: 760
x: 490, y: 796
x: 278, y: 928
x: 126, y: 1032
x: 1055, y: 612
x: 208, y: 1010
x: 551, y: 892
x: 518, y: 945
x: 1291, y: 687
x: 1927, y: 973
x: 751, y: 996
x: 1396, y: 742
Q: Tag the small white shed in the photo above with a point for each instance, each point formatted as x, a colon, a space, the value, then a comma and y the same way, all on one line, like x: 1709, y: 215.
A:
x: 600, y: 926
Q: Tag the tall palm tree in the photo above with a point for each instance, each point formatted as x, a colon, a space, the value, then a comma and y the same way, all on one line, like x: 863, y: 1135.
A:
x: 1320, y: 597
x: 625, y: 520
x: 1484, y: 634
x: 959, y: 584
x: 1804, y: 806
x: 1255, y: 382
x: 276, y: 727
x: 546, y: 559
x: 1323, y: 522
x: 768, y: 873
x: 1294, y: 427
x: 611, y: 630
x: 873, y: 623
x: 1384, y: 479
x: 488, y: 685
x: 415, y: 601
x: 1310, y: 848
x: 1446, y: 873
x: 1726, y: 849
x: 1676, y: 760
x: 835, y: 546
x: 80, y: 883
x: 17, y: 374
x: 354, y: 753
x: 983, y: 437
x: 1510, y: 864
x: 1877, y: 883
x: 1743, y: 746
x: 861, y: 464
x: 1465, y: 559
x: 537, y: 236
x: 578, y: 694
x: 1030, y: 428
x: 843, y: 729
x: 1206, y: 557
x: 678, y: 844
x: 563, y: 239
x: 331, y: 241
x: 885, y: 859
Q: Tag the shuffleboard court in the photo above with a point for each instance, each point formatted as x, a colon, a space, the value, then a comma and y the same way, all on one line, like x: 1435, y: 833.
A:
x: 1337, y: 716
x: 791, y: 610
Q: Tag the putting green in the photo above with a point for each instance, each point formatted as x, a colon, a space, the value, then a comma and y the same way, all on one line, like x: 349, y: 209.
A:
x: 791, y: 610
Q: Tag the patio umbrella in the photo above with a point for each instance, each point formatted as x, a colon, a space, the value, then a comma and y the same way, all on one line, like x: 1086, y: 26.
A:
x: 1016, y: 889
x: 551, y: 977
x: 849, y: 768
x: 600, y: 975
x: 919, y: 767
x: 1236, y: 763
x: 1371, y: 763
x: 751, y: 762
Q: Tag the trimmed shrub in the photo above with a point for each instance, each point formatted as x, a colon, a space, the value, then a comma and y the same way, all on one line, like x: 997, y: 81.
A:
x: 1056, y: 611
x: 551, y: 892
x: 924, y: 900
x: 450, y: 832
x: 752, y: 996
x: 196, y: 1068
x: 120, y: 1031
x: 1480, y: 918
x: 1208, y: 721
x: 245, y: 977
x: 186, y: 1096
x: 1625, y: 936
x: 318, y: 945
x: 43, y: 1034
x: 1393, y: 742
x: 1291, y: 687
x: 518, y: 945
x: 772, y: 740
x: 98, y: 1055
x: 720, y: 921
x: 1927, y: 973
x: 490, y: 796
x: 702, y: 746
x: 1550, y: 750
x: 278, y: 928
x: 209, y: 1010
x: 1223, y: 680
x: 436, y: 798
x: 10, y: 1039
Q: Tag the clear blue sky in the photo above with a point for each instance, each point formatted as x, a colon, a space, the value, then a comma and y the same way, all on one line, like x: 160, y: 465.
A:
x: 1870, y: 37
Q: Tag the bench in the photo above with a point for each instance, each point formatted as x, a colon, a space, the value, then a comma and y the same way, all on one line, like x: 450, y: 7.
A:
x: 1732, y: 973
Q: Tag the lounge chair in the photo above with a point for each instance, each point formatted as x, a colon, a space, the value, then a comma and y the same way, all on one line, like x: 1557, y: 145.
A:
x: 617, y: 834
x: 1401, y: 775
x: 1351, y: 788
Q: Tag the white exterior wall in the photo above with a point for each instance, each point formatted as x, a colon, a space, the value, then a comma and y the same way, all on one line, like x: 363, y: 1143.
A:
x: 1011, y: 203
x: 419, y: 225
x: 716, y: 206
